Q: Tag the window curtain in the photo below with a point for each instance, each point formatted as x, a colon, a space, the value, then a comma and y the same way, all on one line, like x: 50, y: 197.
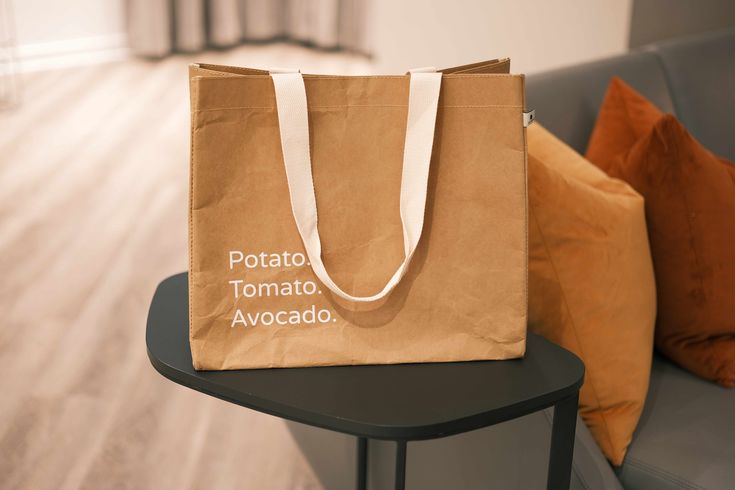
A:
x: 157, y: 28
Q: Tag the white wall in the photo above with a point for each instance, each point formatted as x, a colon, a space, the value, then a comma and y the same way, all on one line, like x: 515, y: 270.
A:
x: 57, y: 33
x: 536, y: 34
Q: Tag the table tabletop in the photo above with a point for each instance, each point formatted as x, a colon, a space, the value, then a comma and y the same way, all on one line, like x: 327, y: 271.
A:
x: 397, y: 402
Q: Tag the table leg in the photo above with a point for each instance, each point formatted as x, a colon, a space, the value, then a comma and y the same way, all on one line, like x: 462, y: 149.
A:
x: 400, y: 465
x: 562, y: 443
x: 362, y: 446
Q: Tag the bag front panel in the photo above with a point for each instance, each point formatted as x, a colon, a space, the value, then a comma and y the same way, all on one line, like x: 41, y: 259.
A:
x: 255, y: 301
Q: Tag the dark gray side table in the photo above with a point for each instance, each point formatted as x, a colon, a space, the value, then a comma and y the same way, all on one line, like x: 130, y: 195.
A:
x: 404, y: 402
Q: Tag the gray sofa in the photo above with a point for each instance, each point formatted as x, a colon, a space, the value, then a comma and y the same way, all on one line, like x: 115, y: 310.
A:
x: 686, y: 435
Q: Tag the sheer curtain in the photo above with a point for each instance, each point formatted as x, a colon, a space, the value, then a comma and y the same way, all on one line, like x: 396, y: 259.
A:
x: 159, y: 27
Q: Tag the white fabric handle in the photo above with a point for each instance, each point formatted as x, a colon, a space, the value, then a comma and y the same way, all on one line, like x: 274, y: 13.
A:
x: 293, y: 121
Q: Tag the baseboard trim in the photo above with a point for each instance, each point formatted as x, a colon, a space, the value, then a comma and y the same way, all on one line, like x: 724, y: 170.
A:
x: 72, y: 52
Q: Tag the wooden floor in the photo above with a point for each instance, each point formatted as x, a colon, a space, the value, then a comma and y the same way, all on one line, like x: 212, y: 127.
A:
x: 93, y: 199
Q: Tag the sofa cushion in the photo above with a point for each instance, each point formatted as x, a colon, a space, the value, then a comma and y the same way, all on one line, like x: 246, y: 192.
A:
x: 701, y: 74
x: 591, y: 283
x: 686, y: 435
x: 567, y: 100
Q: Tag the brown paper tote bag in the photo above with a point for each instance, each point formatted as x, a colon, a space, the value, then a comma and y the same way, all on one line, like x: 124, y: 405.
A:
x: 356, y: 220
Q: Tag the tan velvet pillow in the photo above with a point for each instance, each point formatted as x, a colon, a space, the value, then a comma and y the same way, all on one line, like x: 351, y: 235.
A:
x: 690, y: 209
x: 591, y: 286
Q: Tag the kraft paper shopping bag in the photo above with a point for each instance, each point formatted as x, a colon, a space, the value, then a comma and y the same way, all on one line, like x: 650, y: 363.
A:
x: 356, y: 219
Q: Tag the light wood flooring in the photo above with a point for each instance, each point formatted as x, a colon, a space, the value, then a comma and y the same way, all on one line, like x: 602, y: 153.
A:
x: 93, y: 199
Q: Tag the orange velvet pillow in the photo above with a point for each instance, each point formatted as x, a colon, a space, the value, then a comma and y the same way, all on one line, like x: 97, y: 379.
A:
x: 690, y: 210
x: 624, y: 118
x: 591, y: 284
